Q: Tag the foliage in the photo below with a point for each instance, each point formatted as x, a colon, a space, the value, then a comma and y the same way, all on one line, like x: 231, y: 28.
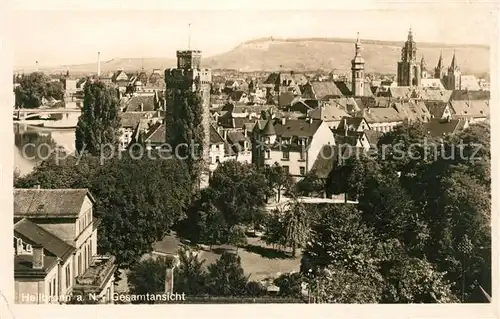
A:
x: 148, y: 276
x: 137, y: 201
x: 310, y: 185
x: 226, y: 277
x: 184, y: 123
x: 278, y: 180
x: 98, y: 126
x: 255, y: 289
x: 189, y: 276
x: 34, y: 88
x: 290, y: 284
x: 239, y: 192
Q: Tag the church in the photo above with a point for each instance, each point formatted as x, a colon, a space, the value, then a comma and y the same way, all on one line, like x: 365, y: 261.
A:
x: 410, y: 71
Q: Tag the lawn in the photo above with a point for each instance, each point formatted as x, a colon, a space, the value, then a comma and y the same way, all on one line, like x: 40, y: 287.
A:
x: 259, y: 261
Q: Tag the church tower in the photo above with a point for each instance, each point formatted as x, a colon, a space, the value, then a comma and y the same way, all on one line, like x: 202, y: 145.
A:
x: 453, y: 78
x: 439, y: 69
x: 190, y: 76
x: 358, y: 71
x: 423, y: 68
x: 409, y: 73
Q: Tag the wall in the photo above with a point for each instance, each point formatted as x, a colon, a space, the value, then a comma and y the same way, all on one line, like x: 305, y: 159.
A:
x: 36, y: 291
x: 216, y: 150
x: 323, y: 136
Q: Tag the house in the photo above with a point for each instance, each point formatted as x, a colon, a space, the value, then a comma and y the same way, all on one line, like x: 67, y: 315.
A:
x: 466, y: 95
x: 238, y: 145
x: 469, y: 82
x: 130, y: 123
x: 324, y: 90
x: 331, y: 114
x: 292, y: 143
x: 55, y: 241
x: 413, y: 110
x: 238, y: 97
x: 142, y: 103
x: 473, y: 110
x: 231, y: 85
x: 351, y: 131
x: 217, y: 149
x: 382, y: 119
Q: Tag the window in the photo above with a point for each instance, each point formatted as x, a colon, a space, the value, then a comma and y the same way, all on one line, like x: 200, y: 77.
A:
x: 217, y: 147
x: 29, y: 249
x: 68, y: 276
x: 217, y: 159
x: 302, y: 155
x: 268, y: 154
x: 54, y: 287
x: 286, y: 155
x: 267, y: 140
x: 286, y: 169
x: 302, y: 170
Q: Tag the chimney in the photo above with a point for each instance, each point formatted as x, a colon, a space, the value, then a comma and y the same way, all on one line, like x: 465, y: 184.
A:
x: 98, y: 64
x: 38, y: 256
x: 225, y: 135
x: 345, y: 127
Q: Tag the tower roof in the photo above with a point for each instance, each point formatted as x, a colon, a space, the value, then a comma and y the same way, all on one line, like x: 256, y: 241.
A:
x: 269, y: 128
x: 358, y: 59
x: 440, y: 61
x: 453, y: 65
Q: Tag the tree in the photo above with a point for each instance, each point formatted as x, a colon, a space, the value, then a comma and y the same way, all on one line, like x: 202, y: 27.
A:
x: 148, y: 276
x: 98, y: 126
x: 297, y: 225
x: 190, y: 277
x: 184, y: 123
x: 236, y: 236
x: 137, y: 201
x: 278, y: 180
x: 34, y: 88
x: 311, y: 185
x: 290, y: 284
x: 226, y: 276
x: 239, y: 192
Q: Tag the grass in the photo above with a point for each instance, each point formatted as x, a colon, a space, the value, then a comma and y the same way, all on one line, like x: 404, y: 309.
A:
x: 259, y: 261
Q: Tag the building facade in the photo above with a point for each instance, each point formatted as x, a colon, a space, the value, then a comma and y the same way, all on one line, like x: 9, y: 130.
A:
x: 55, y: 241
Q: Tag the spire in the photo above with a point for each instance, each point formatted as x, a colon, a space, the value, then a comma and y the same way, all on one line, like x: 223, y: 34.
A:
x: 410, y: 35
x: 440, y: 61
x: 358, y: 46
x: 453, y: 65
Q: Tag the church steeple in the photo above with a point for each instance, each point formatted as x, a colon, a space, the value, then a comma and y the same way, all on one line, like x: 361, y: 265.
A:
x: 358, y: 70
x: 438, y: 70
x: 409, y: 68
x: 453, y: 65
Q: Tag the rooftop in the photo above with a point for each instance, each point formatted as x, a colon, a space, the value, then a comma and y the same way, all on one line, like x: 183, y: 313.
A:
x: 23, y: 266
x: 52, y: 203
x: 98, y: 273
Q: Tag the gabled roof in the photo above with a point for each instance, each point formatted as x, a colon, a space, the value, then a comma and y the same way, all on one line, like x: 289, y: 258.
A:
x: 38, y: 235
x: 156, y: 134
x: 436, y: 108
x: 285, y: 98
x: 215, y: 137
x: 473, y: 108
x: 297, y: 127
x: 439, y: 128
x: 382, y: 114
x: 236, y: 95
x: 328, y: 113
x: 134, y: 103
x: 352, y: 123
x: 325, y: 90
x: 49, y: 203
x: 465, y: 95
x: 469, y: 82
x: 268, y: 128
x: 131, y: 119
x: 325, y: 161
x: 373, y: 136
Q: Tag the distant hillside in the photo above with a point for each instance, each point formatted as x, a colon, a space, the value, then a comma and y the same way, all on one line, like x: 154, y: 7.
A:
x: 305, y: 54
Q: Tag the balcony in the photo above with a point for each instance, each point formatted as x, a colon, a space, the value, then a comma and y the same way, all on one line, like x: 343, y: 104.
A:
x: 95, y: 278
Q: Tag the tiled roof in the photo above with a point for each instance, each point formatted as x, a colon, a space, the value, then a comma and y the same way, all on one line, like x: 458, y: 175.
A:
x: 344, y: 87
x: 373, y: 136
x: 352, y: 123
x: 348, y: 104
x: 413, y: 110
x: 465, y: 95
x: 325, y: 90
x: 215, y: 137
x: 134, y: 103
x: 436, y: 108
x: 38, y: 235
x: 156, y: 133
x: 131, y: 119
x: 236, y: 137
x: 428, y: 94
x: 236, y: 95
x: 269, y: 128
x: 473, y: 108
x: 301, y: 128
x: 51, y: 203
x: 438, y: 127
x: 382, y: 114
x: 328, y: 113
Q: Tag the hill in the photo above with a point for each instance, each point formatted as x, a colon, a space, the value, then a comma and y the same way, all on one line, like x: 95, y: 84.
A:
x: 305, y: 54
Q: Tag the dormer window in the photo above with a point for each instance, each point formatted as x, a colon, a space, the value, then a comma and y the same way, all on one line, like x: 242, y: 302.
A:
x: 29, y: 249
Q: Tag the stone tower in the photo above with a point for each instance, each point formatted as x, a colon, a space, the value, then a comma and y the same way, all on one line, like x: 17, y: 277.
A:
x: 423, y: 68
x: 439, y: 69
x: 409, y: 73
x: 189, y: 75
x: 358, y: 71
x: 453, y: 77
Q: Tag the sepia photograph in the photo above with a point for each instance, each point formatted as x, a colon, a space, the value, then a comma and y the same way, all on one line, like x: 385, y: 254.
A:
x: 332, y: 156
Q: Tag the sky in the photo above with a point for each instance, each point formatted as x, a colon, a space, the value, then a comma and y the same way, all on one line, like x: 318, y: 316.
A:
x: 59, y: 34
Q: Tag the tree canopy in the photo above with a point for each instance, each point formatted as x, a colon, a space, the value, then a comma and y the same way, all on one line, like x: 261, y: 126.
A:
x: 33, y: 88
x: 98, y: 126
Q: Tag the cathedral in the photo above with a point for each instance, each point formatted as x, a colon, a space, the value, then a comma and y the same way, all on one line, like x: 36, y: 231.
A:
x: 411, y: 72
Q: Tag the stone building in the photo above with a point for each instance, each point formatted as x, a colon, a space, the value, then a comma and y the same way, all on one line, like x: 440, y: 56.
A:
x: 409, y: 69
